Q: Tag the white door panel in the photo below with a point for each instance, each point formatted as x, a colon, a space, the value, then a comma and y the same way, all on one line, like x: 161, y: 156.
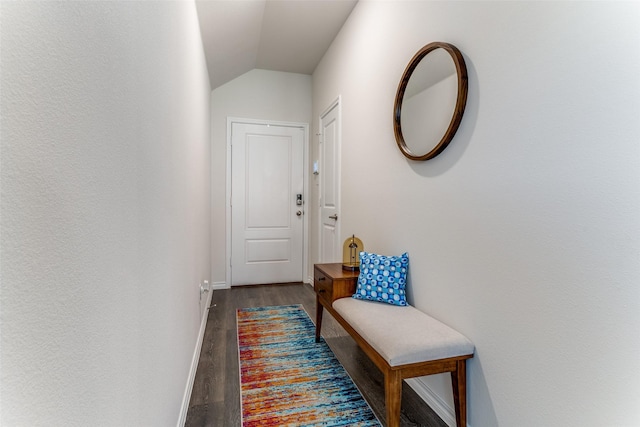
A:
x: 267, y: 250
x: 267, y: 233
x: 330, y: 250
x: 268, y: 172
x: 328, y: 238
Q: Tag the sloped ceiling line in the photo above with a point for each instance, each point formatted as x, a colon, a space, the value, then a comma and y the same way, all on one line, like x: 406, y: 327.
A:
x: 279, y: 35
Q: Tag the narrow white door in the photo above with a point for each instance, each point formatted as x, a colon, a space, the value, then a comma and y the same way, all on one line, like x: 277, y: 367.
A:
x: 330, y: 250
x: 267, y: 223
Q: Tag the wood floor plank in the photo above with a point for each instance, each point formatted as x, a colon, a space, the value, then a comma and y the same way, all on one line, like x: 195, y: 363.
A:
x: 215, y: 400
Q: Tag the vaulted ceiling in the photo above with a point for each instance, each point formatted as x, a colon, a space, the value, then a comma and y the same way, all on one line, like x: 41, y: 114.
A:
x: 279, y: 35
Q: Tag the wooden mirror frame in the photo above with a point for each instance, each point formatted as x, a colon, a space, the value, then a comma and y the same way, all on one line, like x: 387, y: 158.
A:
x: 461, y: 101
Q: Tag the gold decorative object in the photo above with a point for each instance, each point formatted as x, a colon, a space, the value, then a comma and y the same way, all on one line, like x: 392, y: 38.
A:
x: 350, y: 253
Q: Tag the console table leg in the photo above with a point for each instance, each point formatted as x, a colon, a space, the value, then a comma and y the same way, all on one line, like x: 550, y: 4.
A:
x: 319, y: 309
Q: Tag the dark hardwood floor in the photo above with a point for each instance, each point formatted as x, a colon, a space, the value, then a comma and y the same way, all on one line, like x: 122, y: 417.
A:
x: 215, y: 400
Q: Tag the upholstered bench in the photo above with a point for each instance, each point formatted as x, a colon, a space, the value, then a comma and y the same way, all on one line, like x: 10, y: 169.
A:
x: 404, y: 342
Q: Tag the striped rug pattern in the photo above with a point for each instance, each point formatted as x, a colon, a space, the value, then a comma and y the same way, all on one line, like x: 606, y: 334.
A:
x: 287, y: 379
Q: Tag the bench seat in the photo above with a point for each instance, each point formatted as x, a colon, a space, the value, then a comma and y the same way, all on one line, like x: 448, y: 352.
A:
x: 404, y: 342
x: 402, y: 335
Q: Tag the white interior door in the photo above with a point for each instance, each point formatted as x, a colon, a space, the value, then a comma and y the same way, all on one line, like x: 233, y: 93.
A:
x: 267, y: 165
x: 330, y: 246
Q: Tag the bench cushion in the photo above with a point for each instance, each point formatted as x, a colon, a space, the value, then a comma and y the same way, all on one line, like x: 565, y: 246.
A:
x: 402, y: 335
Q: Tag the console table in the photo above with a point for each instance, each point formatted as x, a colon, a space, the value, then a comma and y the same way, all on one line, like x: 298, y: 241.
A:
x: 331, y: 282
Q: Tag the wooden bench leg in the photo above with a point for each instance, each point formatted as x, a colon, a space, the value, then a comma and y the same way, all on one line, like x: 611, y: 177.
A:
x: 459, y: 383
x: 393, y: 397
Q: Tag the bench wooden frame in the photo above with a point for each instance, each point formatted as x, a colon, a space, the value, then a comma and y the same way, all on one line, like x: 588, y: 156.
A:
x: 394, y: 375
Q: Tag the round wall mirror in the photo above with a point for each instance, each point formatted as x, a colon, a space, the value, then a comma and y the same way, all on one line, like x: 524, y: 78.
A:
x: 430, y: 101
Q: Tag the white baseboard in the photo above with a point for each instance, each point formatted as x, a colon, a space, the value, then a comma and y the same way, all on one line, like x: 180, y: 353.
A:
x: 194, y: 364
x: 438, y: 405
x: 219, y: 285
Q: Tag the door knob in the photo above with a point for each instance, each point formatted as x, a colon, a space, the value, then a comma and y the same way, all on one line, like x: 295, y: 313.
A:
x: 299, y: 213
x: 334, y: 216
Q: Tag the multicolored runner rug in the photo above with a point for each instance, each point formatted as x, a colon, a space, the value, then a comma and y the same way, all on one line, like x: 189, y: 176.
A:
x: 287, y: 379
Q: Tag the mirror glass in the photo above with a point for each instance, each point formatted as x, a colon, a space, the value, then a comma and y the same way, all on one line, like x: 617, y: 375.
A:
x: 430, y: 101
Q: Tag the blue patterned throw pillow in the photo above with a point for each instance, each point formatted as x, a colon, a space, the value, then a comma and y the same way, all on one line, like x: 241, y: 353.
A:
x: 383, y: 278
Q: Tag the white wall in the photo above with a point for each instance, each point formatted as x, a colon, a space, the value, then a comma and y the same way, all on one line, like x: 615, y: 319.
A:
x: 258, y: 94
x: 104, y: 210
x: 525, y: 233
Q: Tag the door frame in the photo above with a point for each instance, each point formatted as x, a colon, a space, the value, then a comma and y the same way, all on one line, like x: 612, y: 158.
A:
x: 305, y: 178
x: 336, y: 103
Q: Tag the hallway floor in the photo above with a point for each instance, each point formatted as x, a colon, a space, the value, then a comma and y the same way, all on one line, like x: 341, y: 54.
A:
x: 215, y: 400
